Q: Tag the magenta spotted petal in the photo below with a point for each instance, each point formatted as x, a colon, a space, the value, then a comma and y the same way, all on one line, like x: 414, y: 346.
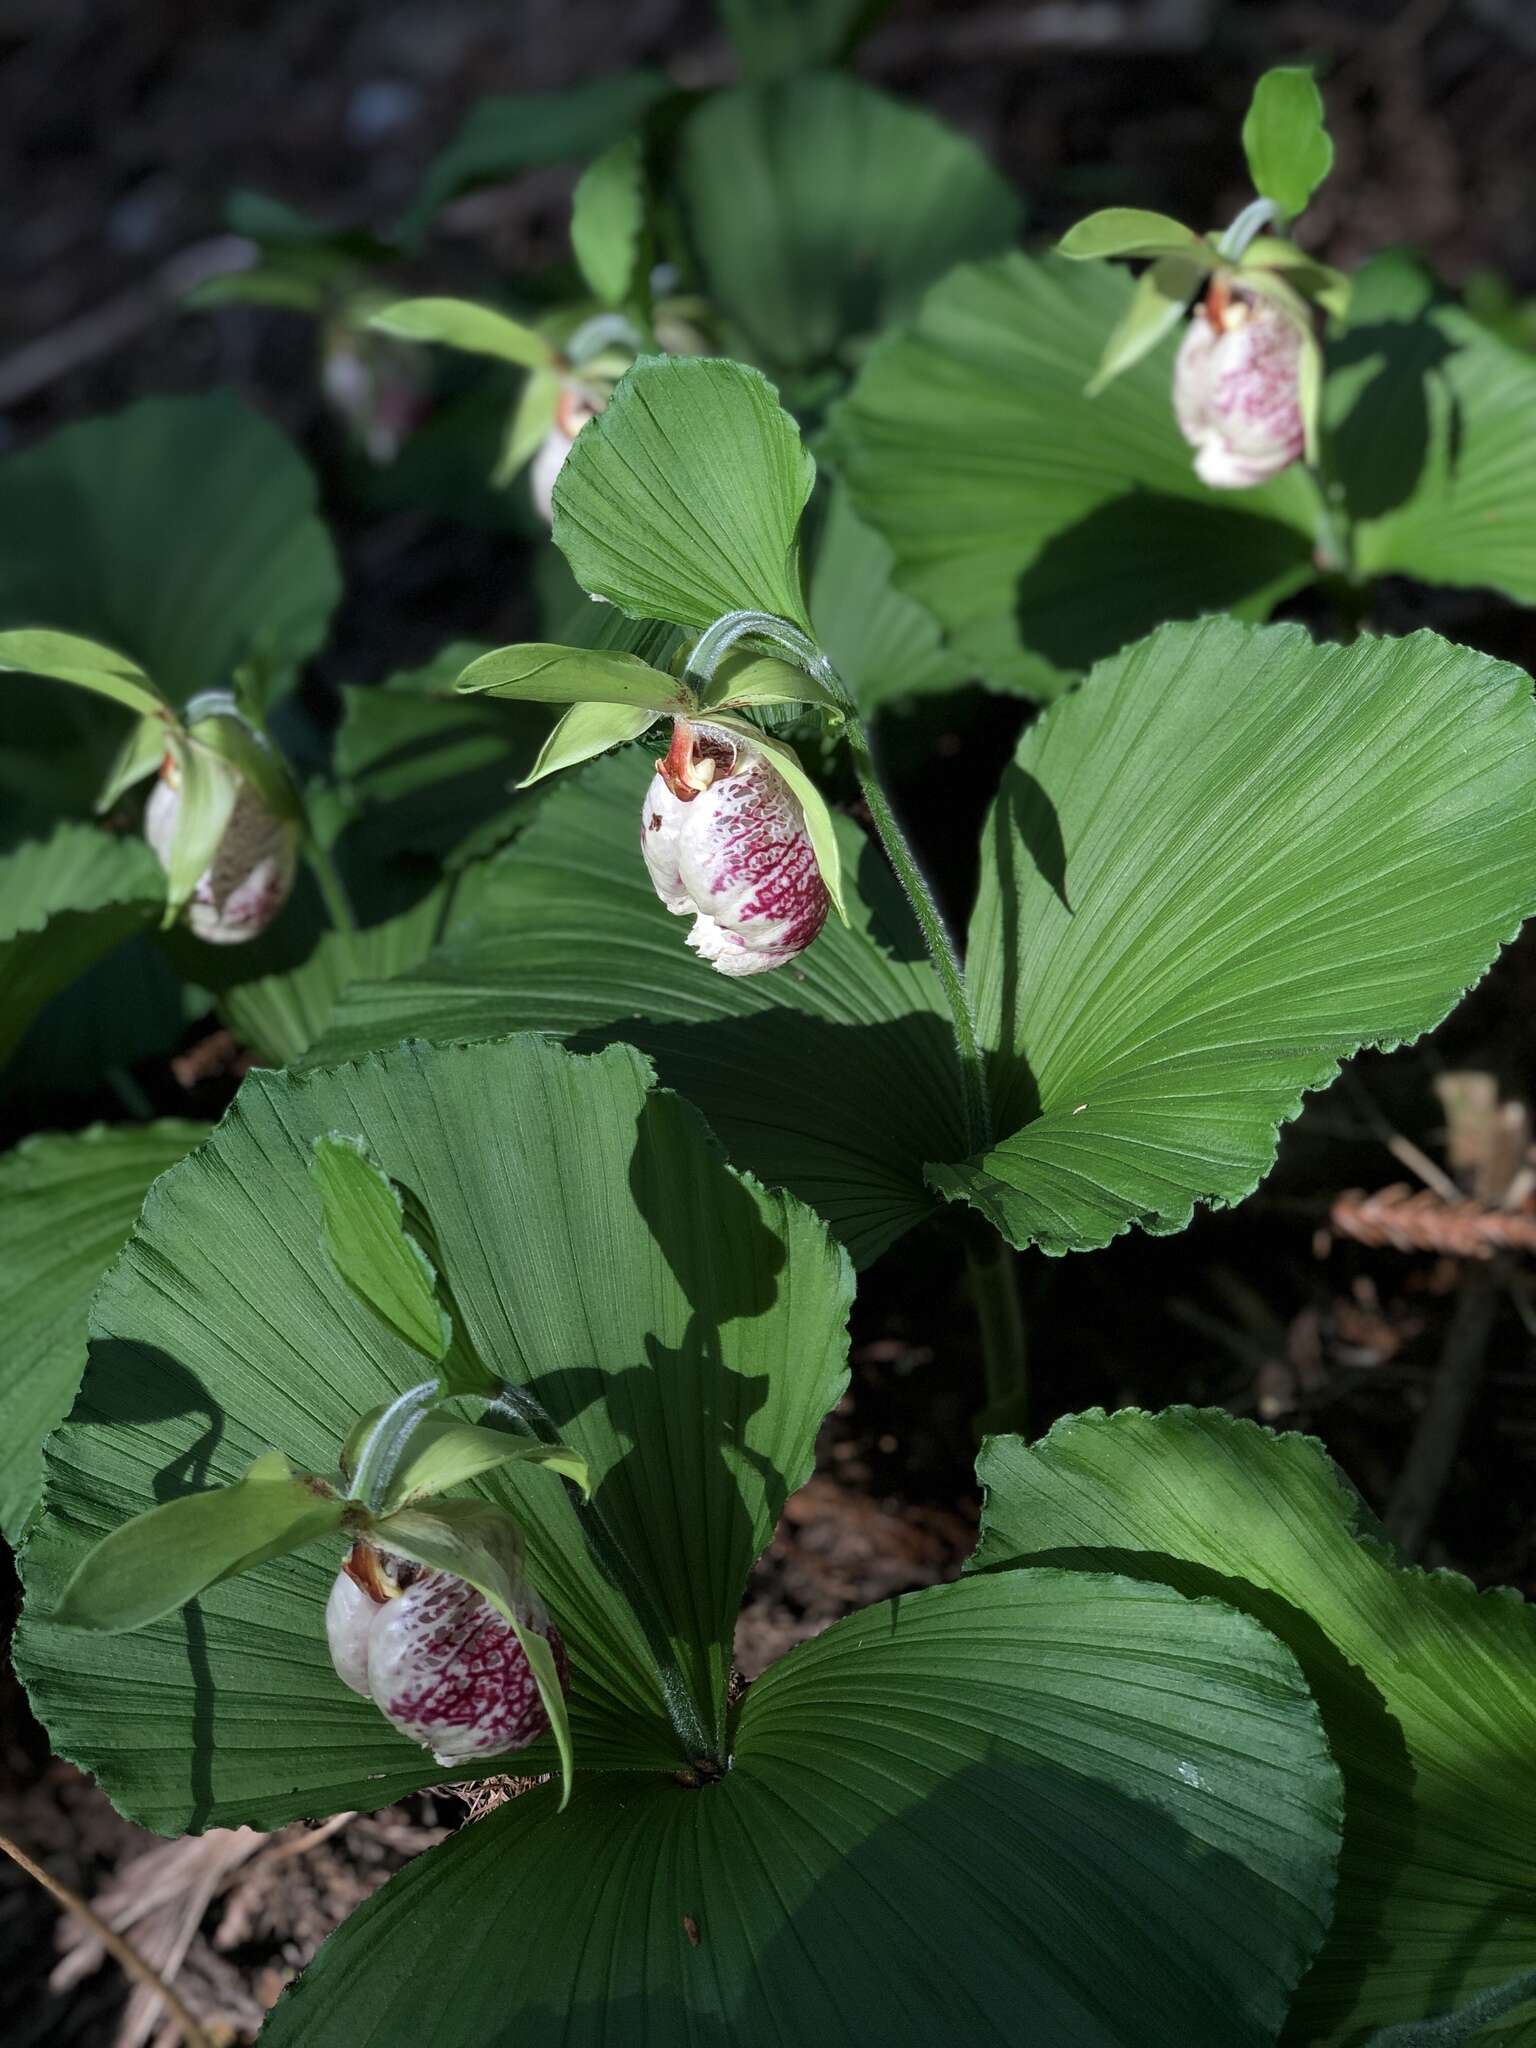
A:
x: 437, y: 1659
x: 725, y: 842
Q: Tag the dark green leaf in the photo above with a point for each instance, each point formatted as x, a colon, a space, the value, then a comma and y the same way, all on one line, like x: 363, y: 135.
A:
x: 681, y: 1330
x: 1427, y: 1688
x: 836, y: 1078
x: 69, y: 1203
x: 776, y: 37
x: 1083, y: 1801
x: 822, y: 209
x: 182, y: 531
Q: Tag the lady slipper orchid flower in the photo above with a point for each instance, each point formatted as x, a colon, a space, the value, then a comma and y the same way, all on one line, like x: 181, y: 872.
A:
x: 726, y: 843
x: 252, y: 872
x: 436, y: 1658
x: 1236, y: 389
x: 572, y: 412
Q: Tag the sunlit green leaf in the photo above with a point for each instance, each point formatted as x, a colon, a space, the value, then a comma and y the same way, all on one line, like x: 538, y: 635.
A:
x: 585, y: 731
x: 371, y: 1248
x: 540, y: 674
x: 154, y: 1564
x: 1130, y: 231
x: 1288, y: 148
x: 683, y: 499
x: 608, y: 220
x: 68, y: 659
x: 460, y: 323
x: 1212, y: 873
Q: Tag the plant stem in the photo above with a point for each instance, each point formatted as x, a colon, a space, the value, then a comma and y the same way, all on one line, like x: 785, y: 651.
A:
x: 941, y: 948
x: 337, y: 903
x: 120, y: 1950
x: 991, y: 1267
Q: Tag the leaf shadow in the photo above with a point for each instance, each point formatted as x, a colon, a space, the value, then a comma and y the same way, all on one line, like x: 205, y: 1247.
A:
x: 1368, y: 1747
x: 1381, y: 446
x: 1141, y: 559
x: 128, y: 1384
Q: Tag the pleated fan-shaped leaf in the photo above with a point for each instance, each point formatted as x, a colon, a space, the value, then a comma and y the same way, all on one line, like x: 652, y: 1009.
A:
x: 1029, y: 1808
x: 835, y: 1078
x: 682, y: 1330
x: 1227, y: 862
x: 1427, y: 1687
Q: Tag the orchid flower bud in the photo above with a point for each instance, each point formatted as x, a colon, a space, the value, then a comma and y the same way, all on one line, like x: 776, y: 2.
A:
x: 726, y: 843
x: 1236, y: 389
x: 574, y: 409
x: 436, y: 1658
x: 251, y: 874
x: 252, y: 871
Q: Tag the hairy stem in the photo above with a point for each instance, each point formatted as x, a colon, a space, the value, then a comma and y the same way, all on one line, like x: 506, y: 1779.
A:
x: 941, y: 948
x: 120, y: 1950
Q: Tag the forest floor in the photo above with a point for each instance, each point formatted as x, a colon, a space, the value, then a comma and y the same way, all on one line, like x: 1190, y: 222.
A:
x: 1315, y: 1305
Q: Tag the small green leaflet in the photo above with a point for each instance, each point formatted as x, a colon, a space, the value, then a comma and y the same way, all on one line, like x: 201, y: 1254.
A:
x: 371, y: 1248
x: 1130, y: 231
x: 585, y: 731
x: 67, y: 658
x: 543, y: 674
x: 459, y: 323
x: 1287, y: 146
x: 441, y: 1451
x: 209, y: 789
x: 157, y: 1562
x: 608, y: 220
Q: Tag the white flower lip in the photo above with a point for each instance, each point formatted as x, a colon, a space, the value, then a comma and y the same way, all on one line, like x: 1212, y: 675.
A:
x: 1236, y: 390
x: 251, y: 875
x: 733, y: 853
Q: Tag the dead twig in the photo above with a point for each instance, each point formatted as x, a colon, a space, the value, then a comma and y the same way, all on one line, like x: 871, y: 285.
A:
x: 123, y: 1951
x: 1404, y: 1219
x: 1463, y: 1359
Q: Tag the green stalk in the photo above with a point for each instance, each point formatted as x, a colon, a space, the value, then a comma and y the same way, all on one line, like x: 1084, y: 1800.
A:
x: 941, y: 948
x: 338, y: 905
x: 990, y: 1264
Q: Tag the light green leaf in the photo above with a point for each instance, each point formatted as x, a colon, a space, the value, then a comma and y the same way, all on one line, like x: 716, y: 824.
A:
x: 531, y: 420
x: 480, y: 1544
x: 370, y: 1247
x: 141, y: 754
x: 209, y: 786
x: 541, y: 674
x: 1285, y: 141
x: 836, y: 1078
x: 759, y: 679
x: 681, y: 1329
x: 1316, y: 281
x: 818, y: 813
x: 776, y: 37
x: 1079, y: 1800
x: 460, y: 323
x: 147, y: 1568
x: 1042, y: 528
x: 69, y: 659
x: 518, y: 132
x: 69, y: 1202
x: 1131, y: 231
x: 1430, y: 415
x: 682, y: 500
x: 608, y: 220
x: 821, y: 209
x: 1158, y: 303
x: 1227, y: 862
x: 883, y: 644
x: 182, y: 531
x: 444, y: 1451
x: 585, y: 731
x: 65, y: 901
x: 1427, y: 1688
x: 252, y: 755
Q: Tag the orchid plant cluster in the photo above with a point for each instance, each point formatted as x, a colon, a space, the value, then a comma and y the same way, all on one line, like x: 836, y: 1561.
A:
x: 630, y: 1172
